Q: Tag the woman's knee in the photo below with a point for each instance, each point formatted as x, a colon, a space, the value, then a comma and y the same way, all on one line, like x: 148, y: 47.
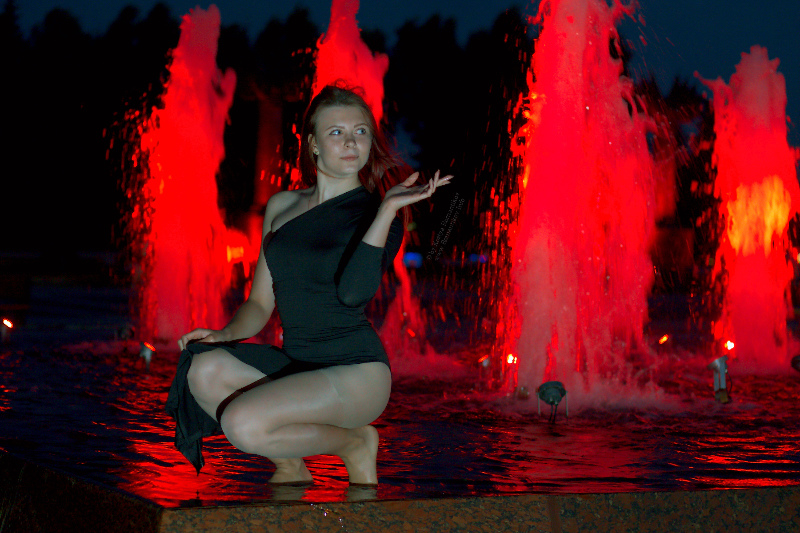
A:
x: 205, y: 373
x: 245, y: 431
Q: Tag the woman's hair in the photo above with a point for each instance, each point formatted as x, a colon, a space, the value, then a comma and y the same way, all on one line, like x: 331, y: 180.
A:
x: 381, y: 159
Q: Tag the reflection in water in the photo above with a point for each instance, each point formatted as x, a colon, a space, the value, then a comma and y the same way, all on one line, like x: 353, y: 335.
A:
x: 438, y: 439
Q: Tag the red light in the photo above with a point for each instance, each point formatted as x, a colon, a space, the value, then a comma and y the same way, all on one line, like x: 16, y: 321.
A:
x: 411, y: 333
x: 235, y: 252
x: 7, y: 323
x: 729, y: 345
x: 511, y: 359
x: 150, y: 346
x: 663, y: 339
x: 482, y: 359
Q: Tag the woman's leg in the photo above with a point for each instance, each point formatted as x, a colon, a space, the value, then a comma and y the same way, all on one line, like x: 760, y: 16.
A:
x: 323, y: 411
x: 214, y: 378
x: 215, y: 375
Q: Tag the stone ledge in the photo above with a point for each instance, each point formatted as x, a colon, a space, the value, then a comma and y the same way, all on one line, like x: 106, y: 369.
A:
x: 36, y: 499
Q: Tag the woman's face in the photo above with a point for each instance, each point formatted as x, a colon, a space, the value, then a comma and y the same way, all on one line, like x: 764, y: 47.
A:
x: 342, y: 141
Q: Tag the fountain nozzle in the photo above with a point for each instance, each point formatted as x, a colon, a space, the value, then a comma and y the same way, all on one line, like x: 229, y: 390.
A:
x: 720, y: 368
x: 551, y: 392
x: 5, y: 329
x: 146, y: 352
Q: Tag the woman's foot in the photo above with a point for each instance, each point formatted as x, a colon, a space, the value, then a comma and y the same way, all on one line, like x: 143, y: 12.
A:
x: 290, y: 471
x: 360, y: 457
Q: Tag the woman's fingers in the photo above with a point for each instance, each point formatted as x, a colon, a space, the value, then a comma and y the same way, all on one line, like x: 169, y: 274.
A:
x: 411, y: 179
x: 205, y: 335
x: 442, y: 180
x: 407, y: 193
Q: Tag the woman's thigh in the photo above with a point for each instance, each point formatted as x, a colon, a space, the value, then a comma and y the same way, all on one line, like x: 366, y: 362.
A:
x: 216, y: 374
x: 363, y: 391
x: 347, y: 396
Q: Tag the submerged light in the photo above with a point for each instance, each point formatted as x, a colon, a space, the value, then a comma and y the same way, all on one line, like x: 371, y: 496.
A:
x: 551, y: 392
x: 5, y: 328
x: 663, y: 339
x: 146, y: 352
x: 720, y: 368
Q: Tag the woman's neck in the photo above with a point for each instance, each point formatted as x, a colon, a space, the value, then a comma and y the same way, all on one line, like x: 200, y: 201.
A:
x: 327, y: 187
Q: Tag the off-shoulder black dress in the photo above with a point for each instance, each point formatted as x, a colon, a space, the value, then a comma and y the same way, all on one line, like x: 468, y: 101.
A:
x: 323, y: 276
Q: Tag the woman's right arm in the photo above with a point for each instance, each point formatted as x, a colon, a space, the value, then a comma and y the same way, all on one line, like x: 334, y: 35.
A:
x: 254, y: 313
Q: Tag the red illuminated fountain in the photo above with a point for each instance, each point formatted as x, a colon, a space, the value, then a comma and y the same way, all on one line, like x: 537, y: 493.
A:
x: 188, y: 245
x: 581, y: 268
x: 342, y: 55
x: 757, y: 185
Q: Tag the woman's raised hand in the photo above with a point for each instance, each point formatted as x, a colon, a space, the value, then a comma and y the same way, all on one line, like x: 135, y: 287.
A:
x: 200, y: 334
x: 406, y: 193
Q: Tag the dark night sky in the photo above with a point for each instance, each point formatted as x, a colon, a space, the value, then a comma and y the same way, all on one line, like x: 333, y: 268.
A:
x: 682, y: 36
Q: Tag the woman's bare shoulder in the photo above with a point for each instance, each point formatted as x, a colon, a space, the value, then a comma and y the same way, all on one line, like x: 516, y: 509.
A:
x: 282, y: 199
x: 279, y: 203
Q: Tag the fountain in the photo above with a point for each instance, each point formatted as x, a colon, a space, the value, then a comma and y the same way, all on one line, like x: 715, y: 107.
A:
x: 189, y: 251
x: 342, y: 55
x: 757, y: 185
x: 581, y: 268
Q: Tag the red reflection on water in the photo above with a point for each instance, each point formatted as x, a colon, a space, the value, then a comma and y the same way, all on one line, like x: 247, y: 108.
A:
x: 105, y: 421
x: 757, y: 184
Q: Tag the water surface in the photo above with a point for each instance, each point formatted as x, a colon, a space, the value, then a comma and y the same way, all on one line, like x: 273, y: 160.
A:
x: 95, y: 410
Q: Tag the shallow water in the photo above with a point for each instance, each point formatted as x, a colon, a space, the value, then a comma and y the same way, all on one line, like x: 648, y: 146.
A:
x: 94, y: 410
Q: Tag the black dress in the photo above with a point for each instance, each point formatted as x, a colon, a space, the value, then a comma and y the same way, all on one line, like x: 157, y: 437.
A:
x: 323, y: 276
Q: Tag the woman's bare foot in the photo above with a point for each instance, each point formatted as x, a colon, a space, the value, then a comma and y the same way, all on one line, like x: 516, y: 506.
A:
x: 361, y: 456
x: 292, y: 471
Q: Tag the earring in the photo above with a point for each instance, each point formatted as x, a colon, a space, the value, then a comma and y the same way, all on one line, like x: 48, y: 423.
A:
x: 316, y: 152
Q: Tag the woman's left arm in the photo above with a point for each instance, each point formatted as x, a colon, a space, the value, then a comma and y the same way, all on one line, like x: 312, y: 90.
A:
x: 357, y: 283
x: 399, y: 196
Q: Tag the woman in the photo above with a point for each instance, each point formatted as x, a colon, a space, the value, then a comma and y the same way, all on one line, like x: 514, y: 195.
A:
x: 324, y: 253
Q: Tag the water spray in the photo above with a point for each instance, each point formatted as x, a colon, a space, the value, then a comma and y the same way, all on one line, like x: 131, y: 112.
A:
x: 759, y: 195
